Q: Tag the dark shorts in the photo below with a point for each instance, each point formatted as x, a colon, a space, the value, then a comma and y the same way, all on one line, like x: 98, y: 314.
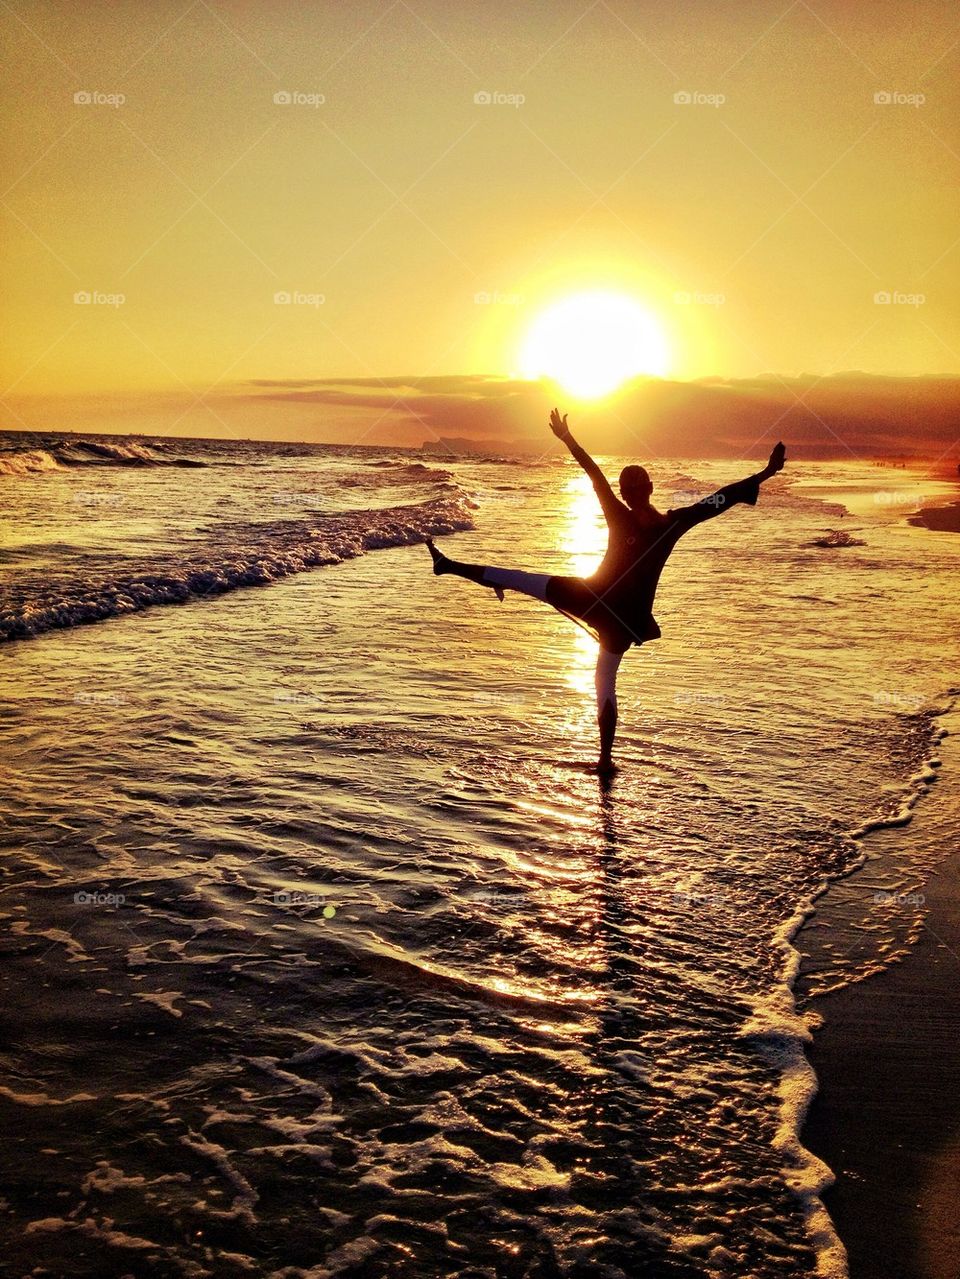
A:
x: 612, y: 619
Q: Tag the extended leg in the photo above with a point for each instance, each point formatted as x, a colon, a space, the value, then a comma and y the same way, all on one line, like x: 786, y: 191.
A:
x: 514, y: 579
x: 606, y: 679
x: 500, y: 579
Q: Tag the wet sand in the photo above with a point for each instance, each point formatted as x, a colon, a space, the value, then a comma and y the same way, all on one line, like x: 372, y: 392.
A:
x: 940, y: 519
x: 887, y: 1117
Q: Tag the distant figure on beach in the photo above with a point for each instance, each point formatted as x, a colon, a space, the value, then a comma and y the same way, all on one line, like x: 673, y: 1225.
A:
x: 615, y: 604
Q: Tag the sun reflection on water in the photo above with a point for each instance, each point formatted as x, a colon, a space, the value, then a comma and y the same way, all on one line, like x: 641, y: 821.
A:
x: 583, y: 539
x: 583, y: 533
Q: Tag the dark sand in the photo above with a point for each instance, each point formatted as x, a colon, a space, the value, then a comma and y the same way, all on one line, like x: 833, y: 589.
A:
x: 941, y: 519
x: 887, y: 1117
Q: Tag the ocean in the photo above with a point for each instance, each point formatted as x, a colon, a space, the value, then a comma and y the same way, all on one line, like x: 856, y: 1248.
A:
x: 324, y: 955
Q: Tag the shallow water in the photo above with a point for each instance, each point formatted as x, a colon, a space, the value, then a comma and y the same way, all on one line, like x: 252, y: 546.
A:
x: 394, y: 986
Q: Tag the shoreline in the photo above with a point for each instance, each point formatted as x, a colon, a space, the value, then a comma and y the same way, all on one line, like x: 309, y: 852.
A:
x: 886, y: 1118
x: 943, y: 518
x: 939, y: 519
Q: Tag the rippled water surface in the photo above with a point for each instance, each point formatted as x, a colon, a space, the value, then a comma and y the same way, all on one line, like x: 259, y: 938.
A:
x: 324, y: 955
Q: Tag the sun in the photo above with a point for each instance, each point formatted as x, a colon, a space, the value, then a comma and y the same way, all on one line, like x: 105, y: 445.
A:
x: 591, y: 343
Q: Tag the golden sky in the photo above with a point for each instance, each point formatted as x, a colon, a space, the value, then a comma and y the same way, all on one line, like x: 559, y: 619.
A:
x: 754, y: 173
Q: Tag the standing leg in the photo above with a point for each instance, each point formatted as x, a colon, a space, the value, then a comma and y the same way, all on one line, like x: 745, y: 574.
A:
x: 606, y: 679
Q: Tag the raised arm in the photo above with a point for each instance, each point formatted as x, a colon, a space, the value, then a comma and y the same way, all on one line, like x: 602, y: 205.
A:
x: 747, y: 490
x: 608, y: 499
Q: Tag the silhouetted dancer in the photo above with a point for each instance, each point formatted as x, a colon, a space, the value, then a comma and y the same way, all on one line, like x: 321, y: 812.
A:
x: 615, y: 604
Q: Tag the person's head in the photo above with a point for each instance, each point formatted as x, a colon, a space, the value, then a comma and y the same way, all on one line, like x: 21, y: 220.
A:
x: 635, y: 486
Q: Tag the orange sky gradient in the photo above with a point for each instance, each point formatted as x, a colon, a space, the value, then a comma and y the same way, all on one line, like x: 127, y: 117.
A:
x: 418, y: 231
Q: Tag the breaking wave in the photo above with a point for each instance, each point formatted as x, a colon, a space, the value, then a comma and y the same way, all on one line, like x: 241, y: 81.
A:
x: 381, y: 473
x: 27, y: 463
x: 89, y: 453
x: 245, y: 555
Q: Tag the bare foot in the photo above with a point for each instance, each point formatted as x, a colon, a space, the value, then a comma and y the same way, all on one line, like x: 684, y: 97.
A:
x: 443, y: 564
x: 439, y: 559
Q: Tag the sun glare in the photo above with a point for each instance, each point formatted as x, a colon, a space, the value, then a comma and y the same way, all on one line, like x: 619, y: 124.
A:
x: 591, y: 343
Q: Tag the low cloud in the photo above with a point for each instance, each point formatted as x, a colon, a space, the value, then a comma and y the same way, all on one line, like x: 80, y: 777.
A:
x: 852, y: 415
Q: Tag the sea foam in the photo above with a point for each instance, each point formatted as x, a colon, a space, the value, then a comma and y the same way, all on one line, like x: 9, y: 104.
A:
x: 245, y: 555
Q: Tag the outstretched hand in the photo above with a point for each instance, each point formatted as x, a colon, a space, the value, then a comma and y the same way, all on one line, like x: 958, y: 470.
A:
x: 558, y: 424
x: 777, y: 459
